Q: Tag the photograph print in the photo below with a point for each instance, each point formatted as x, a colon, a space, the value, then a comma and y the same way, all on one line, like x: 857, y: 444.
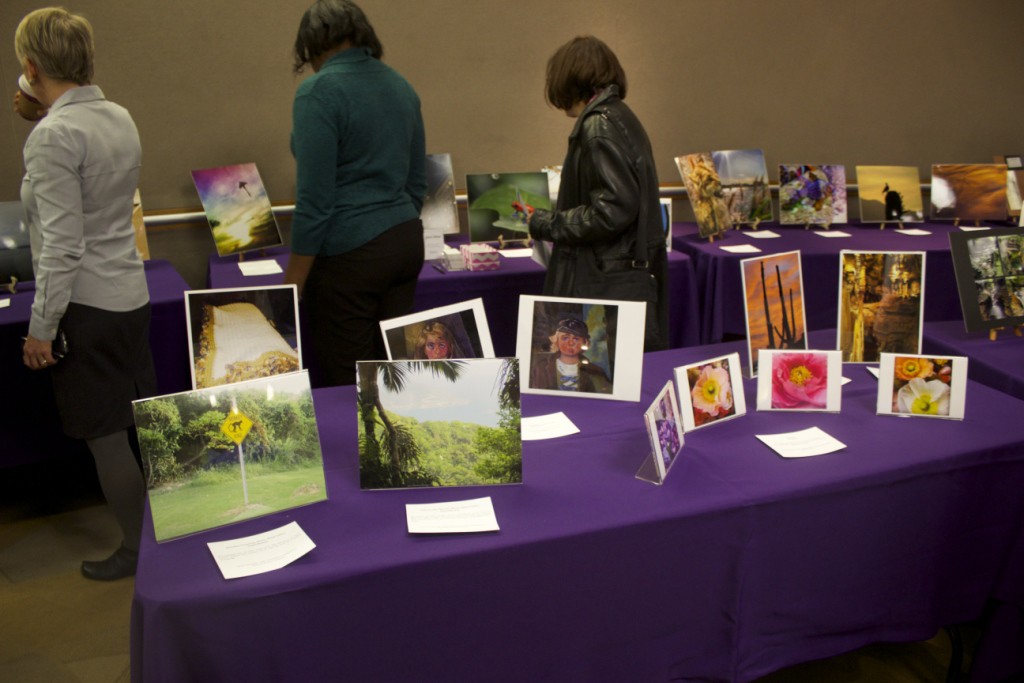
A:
x: 139, y: 226
x: 812, y: 195
x: 774, y: 304
x: 664, y: 429
x: 800, y: 380
x: 498, y: 204
x: 440, y: 214
x: 432, y: 423
x: 922, y: 386
x: 225, y: 454
x: 989, y: 270
x: 237, y: 208
x: 890, y: 194
x: 454, y: 331
x: 710, y: 391
x: 881, y: 304
x: 707, y: 196
x: 666, y: 220
x: 744, y: 177
x: 583, y: 348
x: 969, y: 192
x: 1013, y: 188
x: 242, y: 334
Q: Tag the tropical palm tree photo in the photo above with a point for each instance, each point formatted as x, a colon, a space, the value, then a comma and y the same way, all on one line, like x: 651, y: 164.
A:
x: 439, y: 423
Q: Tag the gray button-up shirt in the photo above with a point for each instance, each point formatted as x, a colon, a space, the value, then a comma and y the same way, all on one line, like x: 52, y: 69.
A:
x: 82, y: 167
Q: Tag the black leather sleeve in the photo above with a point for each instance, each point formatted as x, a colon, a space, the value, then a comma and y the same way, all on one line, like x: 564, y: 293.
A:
x: 614, y: 197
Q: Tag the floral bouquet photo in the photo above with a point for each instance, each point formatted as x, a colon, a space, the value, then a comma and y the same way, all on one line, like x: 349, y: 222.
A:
x: 922, y: 386
x: 800, y: 380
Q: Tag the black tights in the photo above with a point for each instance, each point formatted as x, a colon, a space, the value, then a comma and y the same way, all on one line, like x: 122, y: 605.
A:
x: 122, y: 483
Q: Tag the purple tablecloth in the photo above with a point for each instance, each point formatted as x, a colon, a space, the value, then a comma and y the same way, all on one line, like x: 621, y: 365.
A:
x: 499, y: 289
x: 998, y: 363
x: 29, y: 423
x: 743, y: 562
x: 721, y: 285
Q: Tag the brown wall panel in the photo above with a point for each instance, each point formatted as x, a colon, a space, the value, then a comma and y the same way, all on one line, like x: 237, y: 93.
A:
x: 859, y: 82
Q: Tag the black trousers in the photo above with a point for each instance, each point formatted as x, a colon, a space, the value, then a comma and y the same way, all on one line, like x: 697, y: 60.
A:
x: 346, y: 296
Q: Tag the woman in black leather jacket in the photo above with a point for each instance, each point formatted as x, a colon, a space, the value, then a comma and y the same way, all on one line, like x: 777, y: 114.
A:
x: 609, y: 192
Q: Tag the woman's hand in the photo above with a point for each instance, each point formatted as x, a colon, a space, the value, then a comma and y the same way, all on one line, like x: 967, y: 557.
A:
x: 298, y: 269
x: 37, y: 354
x: 27, y: 107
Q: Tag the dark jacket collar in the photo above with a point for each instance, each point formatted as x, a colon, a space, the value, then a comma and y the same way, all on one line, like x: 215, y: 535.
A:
x: 605, y: 95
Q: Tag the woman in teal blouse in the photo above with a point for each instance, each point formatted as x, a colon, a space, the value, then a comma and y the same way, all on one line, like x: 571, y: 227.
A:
x: 358, y: 142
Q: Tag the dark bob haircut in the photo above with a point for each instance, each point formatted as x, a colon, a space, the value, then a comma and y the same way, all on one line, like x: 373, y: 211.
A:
x: 578, y: 69
x: 329, y: 23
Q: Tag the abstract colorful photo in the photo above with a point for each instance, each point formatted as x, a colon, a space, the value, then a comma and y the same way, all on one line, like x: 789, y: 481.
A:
x: 237, y: 208
x: 969, y: 191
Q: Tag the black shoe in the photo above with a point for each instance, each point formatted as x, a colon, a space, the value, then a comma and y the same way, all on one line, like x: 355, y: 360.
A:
x: 119, y: 565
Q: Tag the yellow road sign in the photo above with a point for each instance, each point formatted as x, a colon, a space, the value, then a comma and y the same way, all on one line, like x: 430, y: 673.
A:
x: 236, y: 426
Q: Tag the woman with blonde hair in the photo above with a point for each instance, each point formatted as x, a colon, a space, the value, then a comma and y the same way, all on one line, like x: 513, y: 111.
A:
x: 90, y: 317
x: 436, y: 342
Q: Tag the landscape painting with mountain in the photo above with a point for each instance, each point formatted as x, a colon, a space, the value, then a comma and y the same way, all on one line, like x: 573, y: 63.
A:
x: 439, y: 423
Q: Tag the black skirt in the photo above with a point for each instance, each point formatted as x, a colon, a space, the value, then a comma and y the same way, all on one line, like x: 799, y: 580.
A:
x: 108, y: 365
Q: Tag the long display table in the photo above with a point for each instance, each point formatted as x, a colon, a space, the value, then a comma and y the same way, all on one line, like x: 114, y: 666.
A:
x: 743, y: 562
x: 499, y: 289
x: 721, y: 285
x: 29, y: 423
x: 999, y: 363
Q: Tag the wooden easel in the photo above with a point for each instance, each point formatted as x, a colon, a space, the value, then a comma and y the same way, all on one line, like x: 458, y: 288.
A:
x: 525, y: 241
x: 994, y: 332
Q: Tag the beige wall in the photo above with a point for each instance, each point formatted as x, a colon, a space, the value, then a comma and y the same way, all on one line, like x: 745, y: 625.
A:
x: 818, y: 81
